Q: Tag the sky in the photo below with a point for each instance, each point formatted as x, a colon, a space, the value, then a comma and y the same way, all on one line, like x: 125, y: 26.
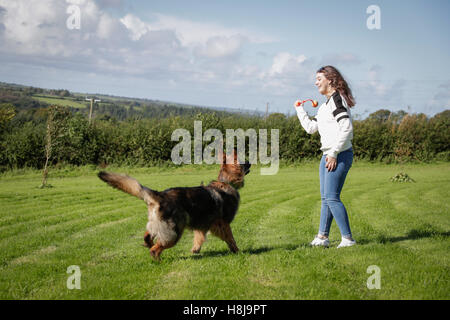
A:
x: 232, y: 54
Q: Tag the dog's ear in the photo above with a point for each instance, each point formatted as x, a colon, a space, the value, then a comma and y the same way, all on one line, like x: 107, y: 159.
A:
x: 225, y: 158
x: 233, y: 157
x: 221, y: 157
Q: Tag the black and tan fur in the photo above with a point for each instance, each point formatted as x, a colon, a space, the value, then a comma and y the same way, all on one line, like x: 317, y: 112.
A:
x: 202, y: 209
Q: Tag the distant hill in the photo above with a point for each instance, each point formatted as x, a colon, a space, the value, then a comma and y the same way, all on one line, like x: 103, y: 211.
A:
x: 121, y: 108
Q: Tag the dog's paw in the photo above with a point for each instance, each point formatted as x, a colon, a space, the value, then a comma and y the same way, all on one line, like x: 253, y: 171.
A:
x: 154, y: 255
x: 195, y: 250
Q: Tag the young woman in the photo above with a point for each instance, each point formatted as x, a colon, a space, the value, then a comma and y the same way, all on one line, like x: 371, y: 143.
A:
x: 333, y: 121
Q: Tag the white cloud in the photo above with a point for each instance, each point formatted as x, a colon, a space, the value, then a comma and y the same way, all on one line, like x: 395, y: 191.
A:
x: 194, y: 33
x: 35, y: 31
x: 165, y: 49
x: 135, y: 25
x: 206, y: 40
x: 38, y: 27
x: 24, y: 22
x: 341, y: 59
x: 374, y: 83
x: 441, y: 99
x: 285, y: 76
x: 105, y: 26
x: 372, y: 92
x: 286, y: 63
x: 221, y: 46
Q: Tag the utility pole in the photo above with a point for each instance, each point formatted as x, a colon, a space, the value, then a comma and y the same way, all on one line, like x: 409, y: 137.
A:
x: 92, y: 100
x: 267, y: 109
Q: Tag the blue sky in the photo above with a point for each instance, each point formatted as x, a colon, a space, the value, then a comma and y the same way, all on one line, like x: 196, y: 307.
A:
x: 237, y: 54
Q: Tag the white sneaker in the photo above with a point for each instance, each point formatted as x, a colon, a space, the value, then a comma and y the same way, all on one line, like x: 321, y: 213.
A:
x: 320, y: 242
x: 346, y: 243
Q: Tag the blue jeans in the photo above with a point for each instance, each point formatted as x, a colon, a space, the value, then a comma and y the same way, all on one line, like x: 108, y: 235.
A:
x: 331, y: 184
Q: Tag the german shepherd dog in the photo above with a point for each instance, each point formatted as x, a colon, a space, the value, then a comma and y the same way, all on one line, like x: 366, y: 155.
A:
x: 202, y: 209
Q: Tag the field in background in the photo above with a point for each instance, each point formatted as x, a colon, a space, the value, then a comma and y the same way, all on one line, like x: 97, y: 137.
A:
x: 403, y: 228
x: 66, y: 102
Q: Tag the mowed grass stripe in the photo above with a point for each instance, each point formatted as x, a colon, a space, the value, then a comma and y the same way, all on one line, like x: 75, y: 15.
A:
x: 73, y: 218
x: 15, y: 198
x: 41, y: 252
x: 47, y: 220
x: 282, y: 235
x: 430, y: 207
x: 377, y: 217
x: 384, y: 217
x: 28, y: 241
x: 297, y: 213
x: 32, y: 212
x: 69, y: 203
x: 275, y: 280
x: 277, y: 218
x: 47, y: 236
x: 46, y: 201
x: 91, y: 250
x: 404, y: 227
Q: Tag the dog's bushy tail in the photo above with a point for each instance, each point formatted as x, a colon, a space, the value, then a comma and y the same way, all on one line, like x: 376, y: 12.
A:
x: 129, y: 185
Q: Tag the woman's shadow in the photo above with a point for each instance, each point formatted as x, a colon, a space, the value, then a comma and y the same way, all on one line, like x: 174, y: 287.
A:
x: 413, y: 234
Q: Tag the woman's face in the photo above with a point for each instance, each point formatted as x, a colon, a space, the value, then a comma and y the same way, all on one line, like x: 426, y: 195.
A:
x: 322, y: 83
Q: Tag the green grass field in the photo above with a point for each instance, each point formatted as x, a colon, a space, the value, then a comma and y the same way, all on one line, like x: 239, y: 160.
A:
x: 403, y: 228
x: 66, y: 102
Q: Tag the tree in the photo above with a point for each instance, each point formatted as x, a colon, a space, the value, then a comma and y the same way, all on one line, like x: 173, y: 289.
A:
x: 56, y: 128
x: 381, y: 115
x: 276, y: 116
x: 398, y: 116
x: 7, y: 112
x: 443, y: 115
x: 64, y: 93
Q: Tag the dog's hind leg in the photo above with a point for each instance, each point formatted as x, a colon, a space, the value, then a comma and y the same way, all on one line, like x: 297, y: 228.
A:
x: 165, y: 239
x: 222, y: 230
x: 199, y: 238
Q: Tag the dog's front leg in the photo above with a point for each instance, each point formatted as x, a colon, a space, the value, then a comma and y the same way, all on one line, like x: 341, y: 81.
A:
x: 222, y: 230
x: 148, y: 240
x: 199, y: 238
x: 231, y: 242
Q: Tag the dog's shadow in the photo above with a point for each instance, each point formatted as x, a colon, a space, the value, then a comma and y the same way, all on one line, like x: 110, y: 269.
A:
x: 251, y: 251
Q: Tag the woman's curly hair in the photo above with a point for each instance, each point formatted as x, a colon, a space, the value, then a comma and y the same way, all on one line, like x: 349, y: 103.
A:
x: 337, y: 82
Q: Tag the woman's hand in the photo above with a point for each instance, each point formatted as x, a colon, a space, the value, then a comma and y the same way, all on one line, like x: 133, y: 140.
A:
x: 331, y: 163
